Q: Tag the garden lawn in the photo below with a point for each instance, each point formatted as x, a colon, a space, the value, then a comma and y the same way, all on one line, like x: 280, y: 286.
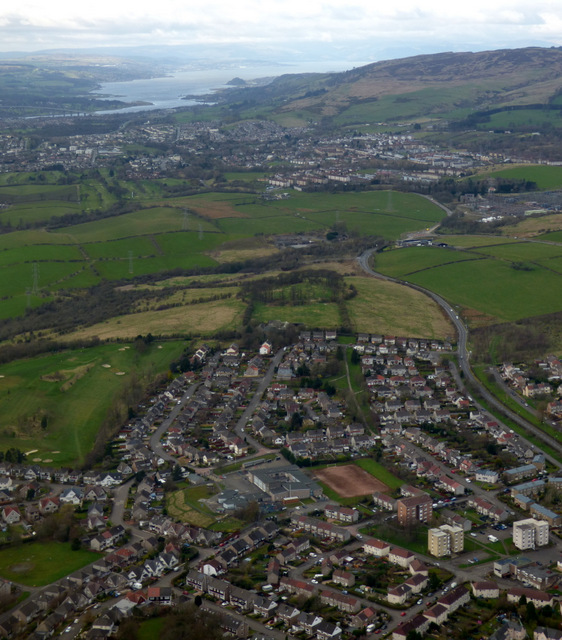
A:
x: 36, y: 564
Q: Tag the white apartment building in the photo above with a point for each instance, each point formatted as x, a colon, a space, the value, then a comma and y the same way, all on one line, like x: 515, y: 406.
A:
x: 530, y: 533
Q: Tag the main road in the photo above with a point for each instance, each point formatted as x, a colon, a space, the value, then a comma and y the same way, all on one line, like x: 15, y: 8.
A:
x: 463, y: 358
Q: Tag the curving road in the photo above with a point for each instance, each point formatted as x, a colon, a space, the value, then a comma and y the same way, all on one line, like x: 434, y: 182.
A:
x: 463, y: 358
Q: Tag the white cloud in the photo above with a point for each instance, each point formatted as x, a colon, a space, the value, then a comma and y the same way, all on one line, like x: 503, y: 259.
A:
x: 64, y: 23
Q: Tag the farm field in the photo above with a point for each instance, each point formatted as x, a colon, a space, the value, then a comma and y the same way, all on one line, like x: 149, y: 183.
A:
x: 36, y: 564
x: 73, y: 390
x: 379, y: 308
x: 545, y: 176
x: 469, y: 242
x: 200, y: 319
x: 492, y: 286
x: 186, y: 233
x: 322, y: 315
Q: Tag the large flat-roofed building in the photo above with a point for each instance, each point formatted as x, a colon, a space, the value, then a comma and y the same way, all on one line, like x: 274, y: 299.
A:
x: 284, y: 483
x: 414, y: 509
x: 530, y: 533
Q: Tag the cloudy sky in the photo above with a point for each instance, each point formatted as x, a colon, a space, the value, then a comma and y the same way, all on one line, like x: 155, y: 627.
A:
x: 365, y: 26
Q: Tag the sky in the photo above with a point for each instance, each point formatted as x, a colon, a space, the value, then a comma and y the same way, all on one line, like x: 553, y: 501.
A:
x: 360, y: 29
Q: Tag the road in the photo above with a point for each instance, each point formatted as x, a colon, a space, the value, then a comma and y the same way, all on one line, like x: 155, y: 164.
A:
x: 154, y: 441
x: 463, y: 358
x: 252, y: 405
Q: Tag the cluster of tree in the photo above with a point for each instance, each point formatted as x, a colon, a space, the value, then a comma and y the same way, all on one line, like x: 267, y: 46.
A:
x: 297, y: 287
x: 515, y: 342
x: 12, y: 455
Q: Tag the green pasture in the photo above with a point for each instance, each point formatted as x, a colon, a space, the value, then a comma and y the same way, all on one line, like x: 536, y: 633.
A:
x: 401, y: 262
x: 30, y: 213
x: 119, y: 249
x: 321, y: 315
x: 546, y: 176
x: 122, y: 269
x: 522, y: 251
x: 16, y: 279
x: 552, y: 263
x: 40, y: 253
x: 32, y: 237
x: 470, y: 242
x: 270, y: 226
x: 30, y: 178
x: 522, y: 120
x: 553, y: 236
x: 494, y: 288
x: 378, y: 471
x: 409, y: 105
x: 74, y: 391
x: 82, y: 278
x: 37, y: 564
x: 139, y: 223
x: 489, y: 285
x: 39, y: 192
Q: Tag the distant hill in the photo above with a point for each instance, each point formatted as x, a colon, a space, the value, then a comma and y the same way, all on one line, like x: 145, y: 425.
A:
x: 443, y: 86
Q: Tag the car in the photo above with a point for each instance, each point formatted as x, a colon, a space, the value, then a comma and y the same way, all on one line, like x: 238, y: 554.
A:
x: 314, y: 581
x: 403, y: 613
x: 420, y: 601
x: 68, y: 629
x: 378, y: 631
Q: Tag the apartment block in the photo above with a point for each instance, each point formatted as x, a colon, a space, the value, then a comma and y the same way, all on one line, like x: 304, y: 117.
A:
x: 414, y: 509
x: 445, y: 540
x: 530, y: 533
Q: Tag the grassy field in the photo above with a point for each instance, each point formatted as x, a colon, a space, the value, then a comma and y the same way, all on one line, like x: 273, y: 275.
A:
x: 185, y: 232
x: 546, y: 177
x: 532, y: 227
x: 74, y: 391
x: 378, y: 471
x: 151, y: 628
x: 39, y: 563
x: 379, y: 306
x: 199, y: 319
x: 185, y: 505
x: 488, y: 285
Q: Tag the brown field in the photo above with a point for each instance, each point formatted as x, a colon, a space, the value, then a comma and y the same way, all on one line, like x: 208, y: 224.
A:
x: 349, y: 481
x: 216, y: 210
